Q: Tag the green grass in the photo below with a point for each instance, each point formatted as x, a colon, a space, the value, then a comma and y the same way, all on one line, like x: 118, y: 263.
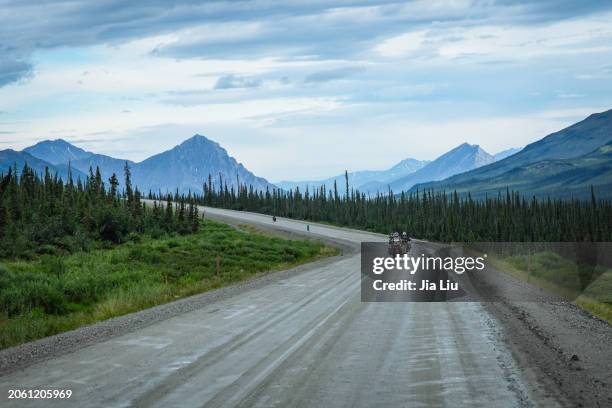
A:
x: 559, y: 275
x: 55, y: 293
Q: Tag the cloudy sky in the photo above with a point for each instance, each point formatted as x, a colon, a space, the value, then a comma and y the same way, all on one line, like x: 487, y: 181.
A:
x: 301, y: 89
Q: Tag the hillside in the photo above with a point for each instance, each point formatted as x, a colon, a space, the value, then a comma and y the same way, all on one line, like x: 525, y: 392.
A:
x: 506, y: 153
x: 565, y: 178
x: 10, y: 158
x: 574, y: 141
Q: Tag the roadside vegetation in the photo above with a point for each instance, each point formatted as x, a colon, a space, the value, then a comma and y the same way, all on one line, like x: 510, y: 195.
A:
x: 47, y: 216
x: 56, y: 293
x: 76, y: 252
x: 450, y: 217
x: 564, y: 277
x: 435, y: 216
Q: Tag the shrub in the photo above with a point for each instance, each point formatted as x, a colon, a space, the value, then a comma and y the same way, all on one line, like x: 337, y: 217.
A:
x: 47, y: 295
x: 52, y: 265
x: 23, y: 291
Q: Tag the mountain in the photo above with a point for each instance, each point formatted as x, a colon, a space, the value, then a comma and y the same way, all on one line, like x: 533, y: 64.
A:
x: 188, y: 165
x: 185, y: 167
x: 10, y: 158
x: 506, y: 153
x: 462, y: 158
x: 403, y: 168
x: 57, y: 151
x: 107, y: 165
x: 575, y: 141
x: 367, y: 181
x: 60, y: 153
x: 560, y: 178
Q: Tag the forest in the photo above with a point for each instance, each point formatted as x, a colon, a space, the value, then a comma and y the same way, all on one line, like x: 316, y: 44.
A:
x: 77, y: 252
x: 74, y: 253
x: 47, y: 216
x: 441, y: 216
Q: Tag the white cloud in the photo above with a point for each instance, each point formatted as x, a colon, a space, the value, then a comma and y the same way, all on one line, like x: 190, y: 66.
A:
x: 314, y: 89
x: 515, y: 42
x: 401, y: 45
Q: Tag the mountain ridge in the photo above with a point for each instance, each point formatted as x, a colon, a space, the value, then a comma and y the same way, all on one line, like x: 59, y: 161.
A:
x: 10, y: 158
x: 506, y: 153
x: 154, y: 170
x: 565, y: 159
x: 460, y: 159
x: 572, y: 142
x: 400, y: 176
x: 561, y: 178
x: 57, y: 151
x: 358, y: 179
x: 197, y: 157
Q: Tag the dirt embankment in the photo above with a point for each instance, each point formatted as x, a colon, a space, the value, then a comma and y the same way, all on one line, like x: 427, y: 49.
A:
x: 558, y: 345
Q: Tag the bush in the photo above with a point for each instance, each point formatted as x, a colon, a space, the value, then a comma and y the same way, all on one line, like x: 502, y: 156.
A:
x: 58, y: 293
x: 23, y: 291
x: 134, y: 237
x: 85, y: 288
x: 12, y: 301
x: 145, y: 254
x: 112, y: 226
x: 47, y: 249
x: 47, y: 295
x: 52, y: 265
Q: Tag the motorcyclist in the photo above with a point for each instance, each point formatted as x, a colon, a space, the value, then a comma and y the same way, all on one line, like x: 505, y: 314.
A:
x: 274, y: 218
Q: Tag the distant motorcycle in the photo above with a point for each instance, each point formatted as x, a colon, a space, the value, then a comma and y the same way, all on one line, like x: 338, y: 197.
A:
x: 399, y: 244
x: 274, y: 218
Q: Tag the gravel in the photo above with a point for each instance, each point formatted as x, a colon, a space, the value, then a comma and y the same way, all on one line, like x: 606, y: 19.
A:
x: 564, y: 349
x: 15, y: 358
x: 564, y: 352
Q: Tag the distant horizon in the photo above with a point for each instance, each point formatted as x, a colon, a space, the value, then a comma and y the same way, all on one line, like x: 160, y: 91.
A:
x: 60, y: 139
x: 303, y: 179
x: 583, y: 146
x: 82, y: 144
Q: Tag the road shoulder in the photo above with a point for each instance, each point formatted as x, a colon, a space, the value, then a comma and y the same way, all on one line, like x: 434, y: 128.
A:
x: 16, y: 358
x: 563, y: 350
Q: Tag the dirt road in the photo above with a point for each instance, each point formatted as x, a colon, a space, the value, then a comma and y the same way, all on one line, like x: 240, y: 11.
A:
x: 303, y: 339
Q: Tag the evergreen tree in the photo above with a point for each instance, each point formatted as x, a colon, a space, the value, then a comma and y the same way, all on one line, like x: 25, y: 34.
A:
x: 41, y: 212
x: 114, y: 186
x: 128, y: 184
x: 433, y: 216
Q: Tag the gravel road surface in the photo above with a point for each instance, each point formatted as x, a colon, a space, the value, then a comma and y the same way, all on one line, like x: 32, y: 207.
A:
x: 302, y: 339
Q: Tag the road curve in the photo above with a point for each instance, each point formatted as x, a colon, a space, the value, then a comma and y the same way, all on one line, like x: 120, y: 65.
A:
x: 303, y: 341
